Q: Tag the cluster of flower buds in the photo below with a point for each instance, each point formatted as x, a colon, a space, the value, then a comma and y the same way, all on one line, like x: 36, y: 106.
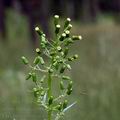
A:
x: 73, y: 58
x: 32, y: 75
x: 38, y: 92
x: 61, y: 106
x: 43, y: 41
x: 38, y: 60
x: 57, y: 52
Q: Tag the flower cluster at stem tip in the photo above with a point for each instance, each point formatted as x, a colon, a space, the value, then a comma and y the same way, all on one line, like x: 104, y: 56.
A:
x: 58, y: 62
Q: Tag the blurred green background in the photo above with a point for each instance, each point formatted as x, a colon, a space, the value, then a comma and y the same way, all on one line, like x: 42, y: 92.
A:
x: 96, y: 73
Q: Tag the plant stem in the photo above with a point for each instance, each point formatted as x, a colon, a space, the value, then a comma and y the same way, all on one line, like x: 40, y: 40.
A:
x: 49, y: 115
x: 49, y: 85
x: 49, y: 94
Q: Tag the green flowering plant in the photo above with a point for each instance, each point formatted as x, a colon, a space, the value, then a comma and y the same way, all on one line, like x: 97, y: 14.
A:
x: 58, y: 62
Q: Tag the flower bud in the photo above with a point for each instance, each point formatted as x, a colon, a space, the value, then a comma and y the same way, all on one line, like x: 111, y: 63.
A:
x: 38, y: 51
x: 65, y: 104
x: 67, y: 22
x: 61, y: 85
x: 37, y: 60
x: 62, y: 53
x: 41, y: 61
x: 37, y: 29
x: 42, y: 45
x: 59, y: 49
x: 56, y: 65
x: 34, y: 77
x: 41, y: 88
x: 62, y: 37
x: 76, y: 37
x: 69, y: 41
x: 36, y: 92
x: 69, y: 91
x: 65, y: 77
x: 57, y: 57
x: 34, y: 89
x: 50, y: 70
x: 28, y: 76
x: 42, y: 80
x: 75, y: 56
x: 70, y: 59
x: 24, y: 60
x: 60, y: 61
x: 52, y: 53
x: 68, y: 66
x: 59, y: 107
x: 67, y: 32
x: 56, y: 19
x: 62, y: 69
x: 42, y: 93
x: 50, y: 101
x: 70, y: 85
x: 57, y: 29
x: 43, y: 39
x: 66, y: 52
x: 69, y: 27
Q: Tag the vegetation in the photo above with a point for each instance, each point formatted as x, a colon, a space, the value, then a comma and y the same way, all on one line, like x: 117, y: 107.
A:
x: 97, y: 75
x: 59, y: 60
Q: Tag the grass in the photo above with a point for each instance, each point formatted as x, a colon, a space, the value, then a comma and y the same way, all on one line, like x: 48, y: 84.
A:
x: 97, y: 76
